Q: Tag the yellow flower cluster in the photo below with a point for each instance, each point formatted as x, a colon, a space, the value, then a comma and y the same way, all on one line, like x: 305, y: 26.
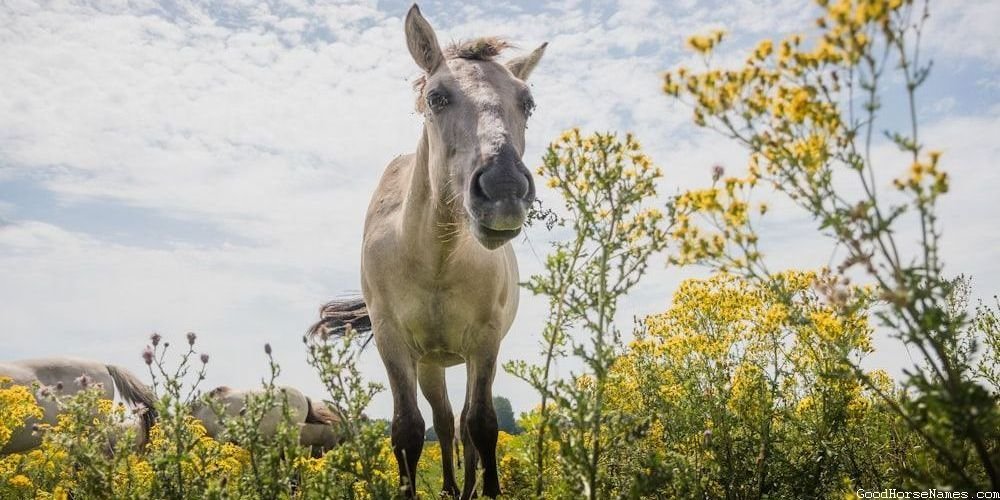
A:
x: 705, y: 43
x: 735, y: 354
x: 788, y: 104
x: 707, y: 220
x: 925, y: 179
x: 710, y: 318
x: 20, y: 481
x: 589, y: 161
x: 781, y: 86
x: 17, y: 404
x: 608, y: 176
x: 73, y: 458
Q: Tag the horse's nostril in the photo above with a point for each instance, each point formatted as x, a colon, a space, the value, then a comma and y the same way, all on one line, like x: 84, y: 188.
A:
x: 478, y: 190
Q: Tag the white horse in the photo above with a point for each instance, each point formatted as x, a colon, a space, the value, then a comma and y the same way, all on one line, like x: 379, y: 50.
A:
x: 68, y: 376
x: 439, y: 278
x: 318, y: 425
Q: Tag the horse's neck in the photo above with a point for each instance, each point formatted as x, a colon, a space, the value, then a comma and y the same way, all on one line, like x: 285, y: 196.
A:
x: 429, y: 225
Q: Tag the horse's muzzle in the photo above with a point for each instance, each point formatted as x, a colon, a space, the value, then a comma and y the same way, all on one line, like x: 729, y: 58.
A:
x: 500, y: 195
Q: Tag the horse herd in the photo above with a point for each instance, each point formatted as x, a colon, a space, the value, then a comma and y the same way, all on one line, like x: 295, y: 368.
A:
x: 439, y: 277
x: 59, y: 378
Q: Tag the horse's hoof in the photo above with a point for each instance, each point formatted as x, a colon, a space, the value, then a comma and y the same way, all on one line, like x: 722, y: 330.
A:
x: 491, y: 491
x: 450, y: 491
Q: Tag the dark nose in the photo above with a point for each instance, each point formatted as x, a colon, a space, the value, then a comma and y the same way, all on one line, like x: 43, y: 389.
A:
x: 504, y: 177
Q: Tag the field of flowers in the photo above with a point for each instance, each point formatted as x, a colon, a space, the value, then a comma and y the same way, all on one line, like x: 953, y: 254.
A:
x: 752, y: 384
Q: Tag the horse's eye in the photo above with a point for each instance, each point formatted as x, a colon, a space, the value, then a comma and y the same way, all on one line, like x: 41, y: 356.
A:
x: 529, y: 107
x: 436, y: 101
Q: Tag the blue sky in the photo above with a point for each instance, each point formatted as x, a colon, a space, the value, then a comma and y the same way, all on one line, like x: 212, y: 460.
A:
x: 176, y: 166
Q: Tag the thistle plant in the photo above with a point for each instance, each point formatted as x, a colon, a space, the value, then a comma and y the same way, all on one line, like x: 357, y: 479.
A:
x: 175, y: 450
x: 267, y: 438
x: 357, y: 467
x: 986, y: 333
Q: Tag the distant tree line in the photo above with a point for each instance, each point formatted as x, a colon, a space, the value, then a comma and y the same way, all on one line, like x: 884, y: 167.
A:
x: 505, y: 419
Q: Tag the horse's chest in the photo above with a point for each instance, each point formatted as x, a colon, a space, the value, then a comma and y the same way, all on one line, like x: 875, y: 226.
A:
x: 442, y: 321
x: 441, y: 318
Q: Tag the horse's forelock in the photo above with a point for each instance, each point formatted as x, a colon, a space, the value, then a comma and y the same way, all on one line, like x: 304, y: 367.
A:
x: 479, y: 49
x: 476, y: 49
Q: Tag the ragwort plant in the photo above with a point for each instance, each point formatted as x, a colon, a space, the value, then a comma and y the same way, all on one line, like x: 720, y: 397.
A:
x: 808, y: 116
x: 91, y: 435
x: 755, y: 401
x: 605, y: 182
x: 179, y: 450
x: 99, y: 439
x: 90, y: 451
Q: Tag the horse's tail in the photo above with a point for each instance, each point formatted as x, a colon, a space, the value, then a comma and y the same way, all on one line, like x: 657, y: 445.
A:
x: 339, y: 314
x: 134, y: 391
x: 319, y: 413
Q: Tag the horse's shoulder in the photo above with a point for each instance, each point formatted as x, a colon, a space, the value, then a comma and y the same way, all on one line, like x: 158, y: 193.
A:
x: 220, y: 391
x: 294, y: 395
x: 401, y: 160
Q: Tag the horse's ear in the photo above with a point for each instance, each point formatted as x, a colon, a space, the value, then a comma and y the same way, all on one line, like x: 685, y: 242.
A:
x: 422, y: 41
x: 522, y: 66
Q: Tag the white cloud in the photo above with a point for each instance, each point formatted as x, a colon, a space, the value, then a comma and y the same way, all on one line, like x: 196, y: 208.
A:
x: 964, y: 29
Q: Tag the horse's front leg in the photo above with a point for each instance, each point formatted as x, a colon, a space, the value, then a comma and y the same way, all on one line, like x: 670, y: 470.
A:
x: 407, y: 424
x: 470, y: 456
x: 480, y: 424
x: 432, y: 384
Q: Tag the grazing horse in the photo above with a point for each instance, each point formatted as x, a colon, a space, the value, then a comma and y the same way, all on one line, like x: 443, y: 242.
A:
x: 439, y: 278
x: 318, y: 425
x: 72, y: 375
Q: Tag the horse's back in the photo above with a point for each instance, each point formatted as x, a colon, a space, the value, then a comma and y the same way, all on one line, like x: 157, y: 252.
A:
x: 55, y: 370
x: 19, y: 375
x: 233, y: 403
x: 50, y: 372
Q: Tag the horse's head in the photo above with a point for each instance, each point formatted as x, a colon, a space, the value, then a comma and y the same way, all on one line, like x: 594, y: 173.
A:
x: 476, y: 110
